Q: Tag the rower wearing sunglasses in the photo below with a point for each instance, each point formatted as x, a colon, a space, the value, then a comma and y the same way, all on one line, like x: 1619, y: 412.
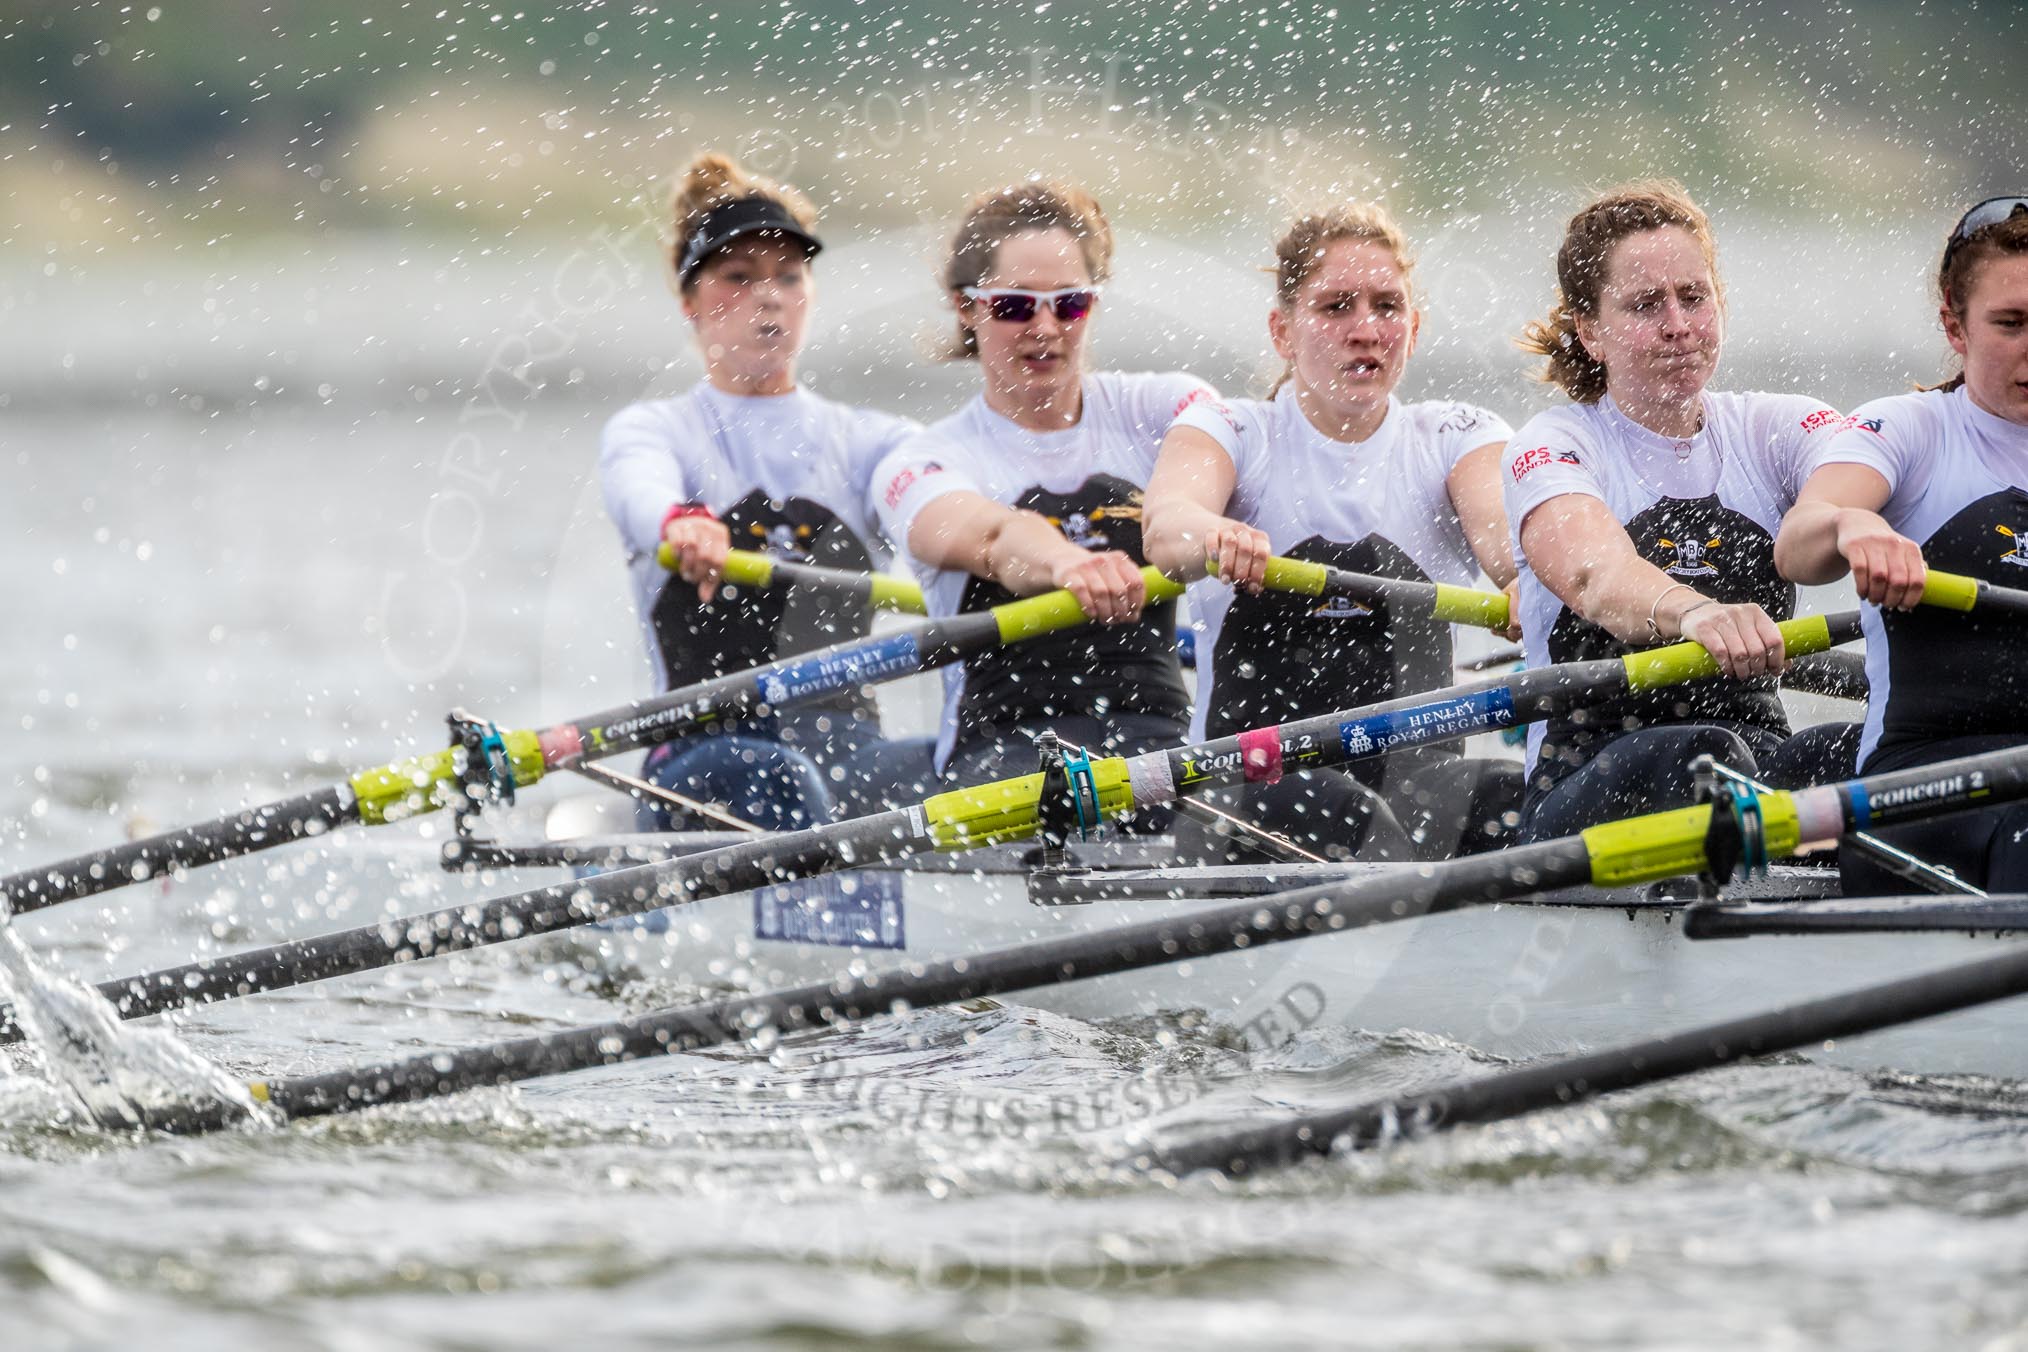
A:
x: 1036, y: 484
x: 749, y: 459
x: 1939, y: 478
x: 1334, y: 469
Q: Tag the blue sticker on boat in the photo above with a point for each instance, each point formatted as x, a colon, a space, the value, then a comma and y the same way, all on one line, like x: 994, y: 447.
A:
x: 826, y: 673
x: 1438, y: 721
x: 856, y: 910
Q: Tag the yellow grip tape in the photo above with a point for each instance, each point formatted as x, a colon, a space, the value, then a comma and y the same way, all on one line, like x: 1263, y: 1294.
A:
x: 1469, y: 605
x: 1680, y: 662
x: 895, y: 593
x: 1287, y: 575
x: 420, y: 784
x: 988, y: 814
x: 1050, y: 611
x: 743, y: 567
x: 1671, y: 844
x: 1950, y: 591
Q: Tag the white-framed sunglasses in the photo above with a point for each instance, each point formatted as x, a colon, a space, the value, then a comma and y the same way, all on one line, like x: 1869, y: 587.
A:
x: 1012, y: 305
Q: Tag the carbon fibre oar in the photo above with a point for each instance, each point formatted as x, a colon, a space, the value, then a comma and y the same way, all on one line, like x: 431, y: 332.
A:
x: 1985, y: 913
x: 425, y: 783
x: 1834, y: 675
x: 881, y: 591
x: 1952, y: 591
x: 1837, y: 674
x: 1557, y: 1084
x: 1488, y: 610
x: 1616, y: 854
x: 986, y: 814
x: 1437, y: 600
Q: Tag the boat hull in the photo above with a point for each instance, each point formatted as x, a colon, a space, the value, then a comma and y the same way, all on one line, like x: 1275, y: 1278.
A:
x: 1550, y: 977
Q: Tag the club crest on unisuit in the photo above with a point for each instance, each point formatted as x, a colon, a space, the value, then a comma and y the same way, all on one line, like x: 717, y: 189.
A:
x: 783, y: 539
x: 1341, y: 608
x: 1083, y: 528
x: 1693, y: 557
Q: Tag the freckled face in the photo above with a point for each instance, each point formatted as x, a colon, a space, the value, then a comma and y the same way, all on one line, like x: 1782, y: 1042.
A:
x: 1351, y: 327
x: 1659, y: 327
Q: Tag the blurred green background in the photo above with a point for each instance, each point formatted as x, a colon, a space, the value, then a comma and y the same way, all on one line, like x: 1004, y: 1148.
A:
x: 198, y: 120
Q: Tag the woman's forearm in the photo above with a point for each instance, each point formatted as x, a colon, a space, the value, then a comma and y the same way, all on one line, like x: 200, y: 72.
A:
x: 1806, y: 550
x: 1026, y: 552
x: 1174, y: 536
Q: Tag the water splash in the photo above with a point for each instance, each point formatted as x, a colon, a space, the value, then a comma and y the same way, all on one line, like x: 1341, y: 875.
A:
x: 119, y: 1076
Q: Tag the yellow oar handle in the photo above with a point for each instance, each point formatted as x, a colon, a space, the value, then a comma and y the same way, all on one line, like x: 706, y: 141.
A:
x: 425, y: 783
x: 1680, y: 662
x: 1671, y: 844
x: 1059, y: 609
x: 897, y: 594
x: 1452, y: 605
x: 1469, y: 605
x: 744, y: 568
x: 1949, y: 591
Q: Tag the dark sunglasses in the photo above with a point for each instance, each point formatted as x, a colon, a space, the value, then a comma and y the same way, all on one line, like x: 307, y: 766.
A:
x: 1987, y: 213
x: 1013, y: 306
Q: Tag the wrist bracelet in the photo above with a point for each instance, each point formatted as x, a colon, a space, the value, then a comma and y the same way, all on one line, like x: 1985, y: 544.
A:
x: 1654, y: 628
x: 683, y: 510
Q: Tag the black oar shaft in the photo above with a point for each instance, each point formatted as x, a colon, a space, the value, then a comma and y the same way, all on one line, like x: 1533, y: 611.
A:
x: 1834, y: 675
x: 259, y: 828
x: 1554, y: 1084
x: 1243, y: 925
x: 1990, y: 913
x: 739, y: 867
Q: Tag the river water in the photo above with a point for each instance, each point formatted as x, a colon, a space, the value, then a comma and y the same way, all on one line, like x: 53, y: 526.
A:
x: 268, y: 518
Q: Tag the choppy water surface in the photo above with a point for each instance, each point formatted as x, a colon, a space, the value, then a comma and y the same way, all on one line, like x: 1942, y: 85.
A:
x: 216, y: 606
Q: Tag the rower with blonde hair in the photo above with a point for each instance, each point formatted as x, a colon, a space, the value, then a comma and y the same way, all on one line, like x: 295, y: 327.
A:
x: 1335, y: 469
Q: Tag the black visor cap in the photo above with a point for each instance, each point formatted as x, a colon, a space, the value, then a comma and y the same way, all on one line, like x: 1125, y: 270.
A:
x: 722, y: 225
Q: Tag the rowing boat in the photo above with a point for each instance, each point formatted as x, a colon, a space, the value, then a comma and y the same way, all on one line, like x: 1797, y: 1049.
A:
x: 848, y: 920
x: 1553, y: 975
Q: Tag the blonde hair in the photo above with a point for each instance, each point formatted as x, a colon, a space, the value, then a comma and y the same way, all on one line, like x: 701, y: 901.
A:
x: 1588, y: 243
x: 992, y: 218
x: 1301, y: 249
x: 1958, y: 272
x: 710, y: 181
